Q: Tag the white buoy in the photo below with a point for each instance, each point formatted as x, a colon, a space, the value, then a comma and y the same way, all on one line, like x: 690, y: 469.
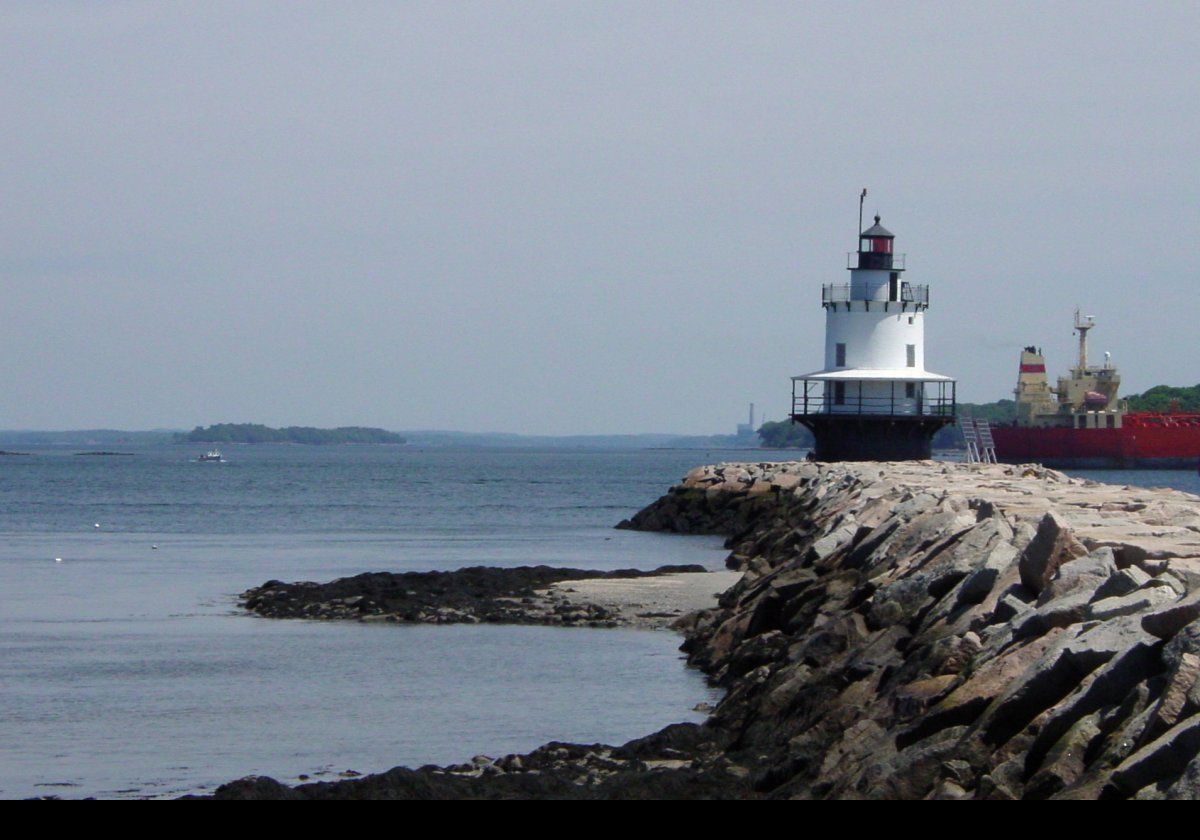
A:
x: 57, y: 559
x: 96, y: 525
x: 154, y: 547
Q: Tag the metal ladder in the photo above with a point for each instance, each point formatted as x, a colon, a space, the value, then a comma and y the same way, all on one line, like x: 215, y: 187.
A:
x: 966, y: 426
x: 985, y: 445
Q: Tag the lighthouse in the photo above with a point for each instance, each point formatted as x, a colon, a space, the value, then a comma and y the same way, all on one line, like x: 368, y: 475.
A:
x: 874, y: 400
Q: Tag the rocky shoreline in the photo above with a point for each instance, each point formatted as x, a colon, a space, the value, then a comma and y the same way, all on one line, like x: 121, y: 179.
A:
x: 914, y: 630
x: 683, y: 761
x: 474, y: 595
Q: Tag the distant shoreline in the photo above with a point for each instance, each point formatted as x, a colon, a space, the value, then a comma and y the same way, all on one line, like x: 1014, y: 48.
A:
x: 21, y: 439
x: 226, y: 433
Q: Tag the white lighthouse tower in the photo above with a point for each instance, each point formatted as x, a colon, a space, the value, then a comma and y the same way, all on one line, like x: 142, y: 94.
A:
x: 874, y: 400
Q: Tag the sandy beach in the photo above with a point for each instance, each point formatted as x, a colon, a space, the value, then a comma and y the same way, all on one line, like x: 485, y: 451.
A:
x: 649, y: 601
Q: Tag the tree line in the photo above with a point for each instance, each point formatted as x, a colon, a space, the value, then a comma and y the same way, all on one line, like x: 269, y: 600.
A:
x: 258, y: 433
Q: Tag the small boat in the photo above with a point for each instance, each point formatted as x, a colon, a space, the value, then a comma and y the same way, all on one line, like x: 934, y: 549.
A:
x: 211, y: 455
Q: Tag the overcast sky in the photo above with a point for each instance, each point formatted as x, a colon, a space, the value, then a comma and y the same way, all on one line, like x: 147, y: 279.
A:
x: 573, y: 217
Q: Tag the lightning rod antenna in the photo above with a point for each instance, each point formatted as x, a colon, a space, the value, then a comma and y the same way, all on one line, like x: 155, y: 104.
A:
x: 861, y: 199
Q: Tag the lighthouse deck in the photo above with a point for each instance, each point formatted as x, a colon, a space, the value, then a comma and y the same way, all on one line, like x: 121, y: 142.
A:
x: 900, y: 394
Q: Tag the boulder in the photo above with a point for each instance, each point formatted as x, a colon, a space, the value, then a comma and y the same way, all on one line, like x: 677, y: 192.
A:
x: 1089, y: 572
x: 1066, y: 761
x: 1177, y: 695
x: 1135, y: 602
x: 1075, y: 654
x: 1186, y: 569
x: 1165, y: 622
x: 1122, y: 582
x: 785, y: 482
x: 1166, y: 757
x: 1051, y: 547
x: 1187, y: 786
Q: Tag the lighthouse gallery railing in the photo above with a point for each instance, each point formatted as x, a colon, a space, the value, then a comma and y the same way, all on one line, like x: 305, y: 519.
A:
x: 908, y: 293
x: 821, y: 396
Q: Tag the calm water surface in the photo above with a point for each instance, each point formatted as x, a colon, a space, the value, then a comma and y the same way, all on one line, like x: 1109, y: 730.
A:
x: 126, y: 669
x: 1185, y: 480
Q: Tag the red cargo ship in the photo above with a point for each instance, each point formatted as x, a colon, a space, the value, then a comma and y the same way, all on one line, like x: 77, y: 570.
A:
x: 1083, y: 423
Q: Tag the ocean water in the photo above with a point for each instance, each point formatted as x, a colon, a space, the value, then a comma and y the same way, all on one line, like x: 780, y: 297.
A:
x: 126, y: 669
x: 1186, y: 480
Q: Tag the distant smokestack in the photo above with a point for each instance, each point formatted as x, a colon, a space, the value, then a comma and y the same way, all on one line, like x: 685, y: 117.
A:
x: 751, y: 416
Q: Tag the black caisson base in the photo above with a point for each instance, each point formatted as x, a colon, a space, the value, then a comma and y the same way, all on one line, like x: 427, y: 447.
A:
x: 866, y: 438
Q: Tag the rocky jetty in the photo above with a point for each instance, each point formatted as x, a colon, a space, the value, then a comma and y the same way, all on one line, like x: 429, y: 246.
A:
x: 479, y: 594
x: 953, y: 631
x: 915, y: 630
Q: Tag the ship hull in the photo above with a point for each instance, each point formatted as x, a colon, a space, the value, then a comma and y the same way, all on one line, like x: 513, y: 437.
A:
x: 1132, y: 447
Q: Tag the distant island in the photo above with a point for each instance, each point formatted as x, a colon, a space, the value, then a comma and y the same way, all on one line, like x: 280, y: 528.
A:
x: 257, y: 433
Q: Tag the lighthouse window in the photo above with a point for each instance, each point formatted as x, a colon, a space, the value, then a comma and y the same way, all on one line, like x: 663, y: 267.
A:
x: 912, y: 354
x: 839, y: 393
x: 839, y: 352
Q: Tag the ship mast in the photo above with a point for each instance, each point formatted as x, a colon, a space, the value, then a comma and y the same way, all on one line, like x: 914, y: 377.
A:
x: 1083, y: 323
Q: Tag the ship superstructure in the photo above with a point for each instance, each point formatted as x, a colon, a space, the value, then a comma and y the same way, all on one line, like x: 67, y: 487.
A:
x: 1087, y: 399
x: 1082, y: 422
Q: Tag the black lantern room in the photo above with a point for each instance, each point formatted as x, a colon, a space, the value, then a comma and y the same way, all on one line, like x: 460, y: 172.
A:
x: 875, y: 248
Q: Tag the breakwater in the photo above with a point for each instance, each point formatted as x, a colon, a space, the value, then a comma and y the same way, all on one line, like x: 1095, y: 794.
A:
x: 913, y: 630
x: 947, y: 630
